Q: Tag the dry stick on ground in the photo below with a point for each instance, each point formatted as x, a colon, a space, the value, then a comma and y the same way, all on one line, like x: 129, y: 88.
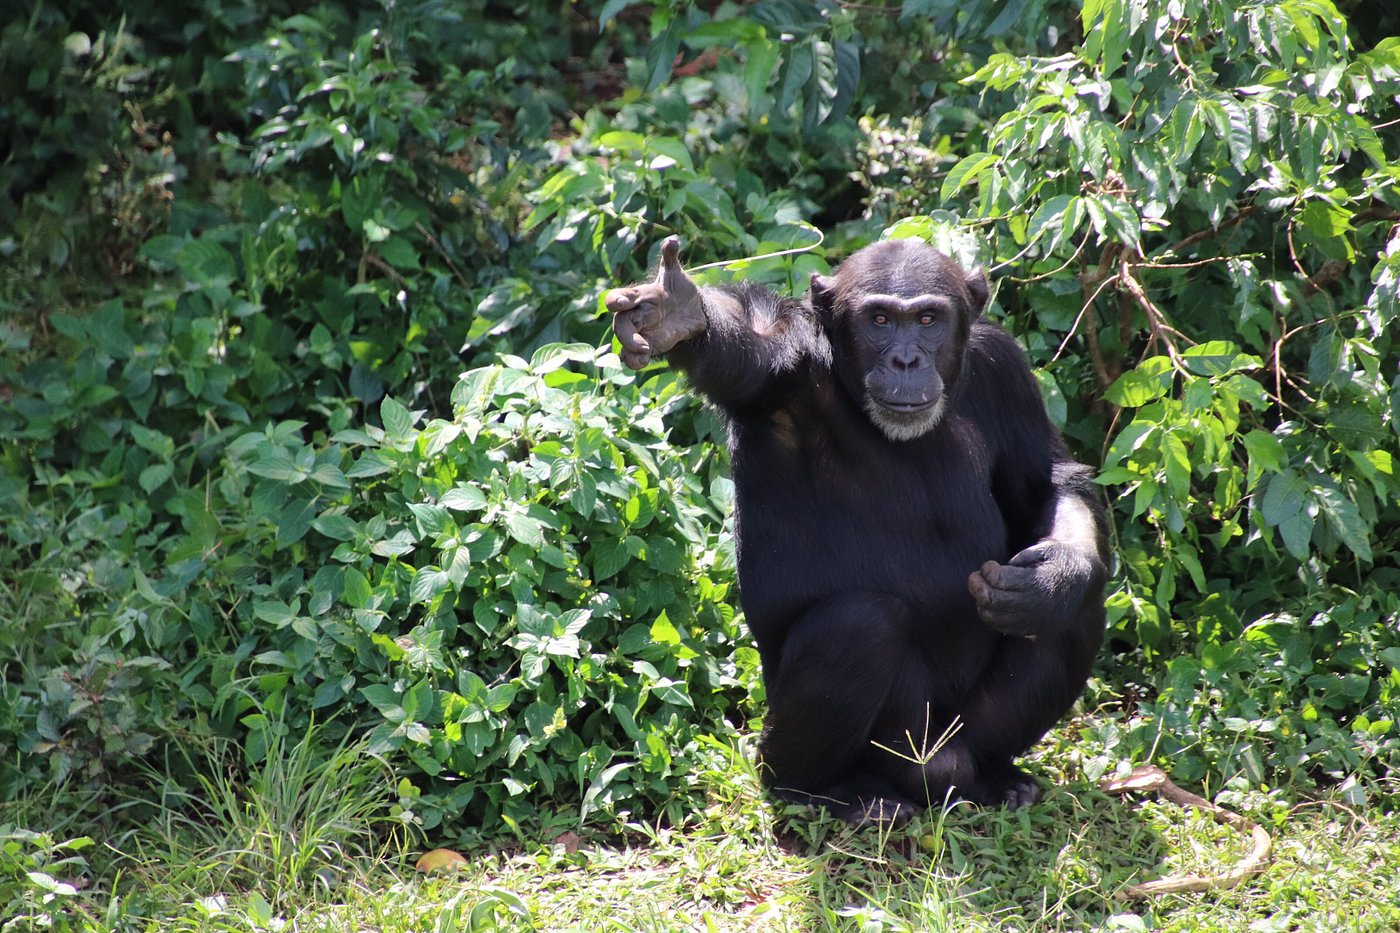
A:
x: 1151, y: 777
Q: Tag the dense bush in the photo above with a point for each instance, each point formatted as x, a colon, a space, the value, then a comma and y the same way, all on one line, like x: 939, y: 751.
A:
x: 254, y: 250
x: 1231, y: 225
x: 531, y: 602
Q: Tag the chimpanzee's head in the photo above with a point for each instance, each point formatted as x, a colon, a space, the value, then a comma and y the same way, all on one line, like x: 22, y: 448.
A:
x: 897, y: 314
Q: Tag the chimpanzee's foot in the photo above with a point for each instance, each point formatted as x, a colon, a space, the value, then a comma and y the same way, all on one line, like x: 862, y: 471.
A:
x: 1003, y: 785
x: 892, y: 812
x: 859, y: 802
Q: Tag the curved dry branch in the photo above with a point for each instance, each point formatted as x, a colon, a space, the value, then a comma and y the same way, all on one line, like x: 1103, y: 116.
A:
x: 1151, y: 777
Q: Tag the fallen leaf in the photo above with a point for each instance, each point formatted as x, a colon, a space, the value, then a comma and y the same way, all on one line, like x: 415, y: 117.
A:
x: 440, y: 860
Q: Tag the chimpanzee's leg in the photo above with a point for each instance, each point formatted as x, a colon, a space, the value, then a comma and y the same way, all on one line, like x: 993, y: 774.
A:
x: 842, y: 664
x: 1026, y: 687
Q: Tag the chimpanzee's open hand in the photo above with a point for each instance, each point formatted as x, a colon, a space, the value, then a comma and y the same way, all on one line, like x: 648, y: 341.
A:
x: 653, y: 317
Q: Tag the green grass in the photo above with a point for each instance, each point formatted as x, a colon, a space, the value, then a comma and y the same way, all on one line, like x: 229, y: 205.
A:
x: 295, y: 855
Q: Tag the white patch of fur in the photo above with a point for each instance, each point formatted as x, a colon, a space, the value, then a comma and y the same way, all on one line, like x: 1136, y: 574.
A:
x: 1074, y: 525
x: 904, y: 425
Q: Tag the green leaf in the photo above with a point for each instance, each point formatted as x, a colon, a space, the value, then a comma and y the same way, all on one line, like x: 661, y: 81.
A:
x: 370, y: 463
x: 1325, y: 226
x: 401, y: 543
x: 1217, y: 358
x: 1284, y: 498
x: 524, y: 528
x: 796, y: 71
x: 1009, y: 16
x: 1089, y: 15
x: 336, y: 527
x: 52, y: 885
x: 1177, y: 463
x: 153, y: 476
x: 966, y: 172
x: 106, y: 329
x: 294, y: 521
x: 611, y: 9
x: 356, y: 589
x: 661, y: 53
x: 205, y: 262
x: 365, y: 384
x: 672, y: 149
x: 1152, y: 379
x: 1121, y: 218
x: 1324, y: 220
x: 428, y: 582
x: 1345, y: 519
x: 432, y: 519
x: 1062, y: 214
x: 609, y: 556
x: 328, y: 474
x: 552, y: 356
x: 399, y: 253
x: 847, y: 58
x: 385, y: 699
x: 358, y: 200
x: 278, y: 463
x: 584, y: 495
x: 277, y: 613
x: 1296, y: 530
x: 398, y: 421
x: 1266, y: 453
x: 663, y: 632
x: 154, y: 441
x: 758, y: 72
x: 625, y: 140
x: 464, y: 499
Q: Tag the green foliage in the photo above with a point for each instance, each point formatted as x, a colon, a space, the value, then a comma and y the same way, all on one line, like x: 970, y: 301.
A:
x: 295, y: 824
x: 1230, y: 220
x: 309, y: 259
x: 526, y: 603
x: 32, y: 894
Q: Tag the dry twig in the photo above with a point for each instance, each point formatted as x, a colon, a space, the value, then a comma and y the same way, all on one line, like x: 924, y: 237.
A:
x: 1151, y: 777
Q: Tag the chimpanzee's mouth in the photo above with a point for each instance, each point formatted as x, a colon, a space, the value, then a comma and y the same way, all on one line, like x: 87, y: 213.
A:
x: 908, y: 407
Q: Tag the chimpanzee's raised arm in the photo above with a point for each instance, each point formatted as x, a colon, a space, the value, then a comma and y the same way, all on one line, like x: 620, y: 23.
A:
x: 731, y: 342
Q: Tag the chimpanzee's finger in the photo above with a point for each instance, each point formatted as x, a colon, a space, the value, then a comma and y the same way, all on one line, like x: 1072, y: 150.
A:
x: 626, y: 299
x: 635, y: 360
x: 671, y: 254
x: 1007, y: 577
x: 1032, y: 555
x: 620, y: 299
x: 627, y: 334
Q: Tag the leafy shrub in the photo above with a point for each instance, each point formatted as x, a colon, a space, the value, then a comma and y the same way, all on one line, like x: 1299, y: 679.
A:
x: 527, y: 598
x: 1231, y: 226
x: 32, y: 866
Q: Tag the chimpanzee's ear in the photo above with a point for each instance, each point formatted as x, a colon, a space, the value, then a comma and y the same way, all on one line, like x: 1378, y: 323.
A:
x: 823, y: 295
x: 978, y: 291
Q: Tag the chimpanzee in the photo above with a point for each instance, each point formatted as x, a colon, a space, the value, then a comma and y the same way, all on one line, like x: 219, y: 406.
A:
x: 916, y: 548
